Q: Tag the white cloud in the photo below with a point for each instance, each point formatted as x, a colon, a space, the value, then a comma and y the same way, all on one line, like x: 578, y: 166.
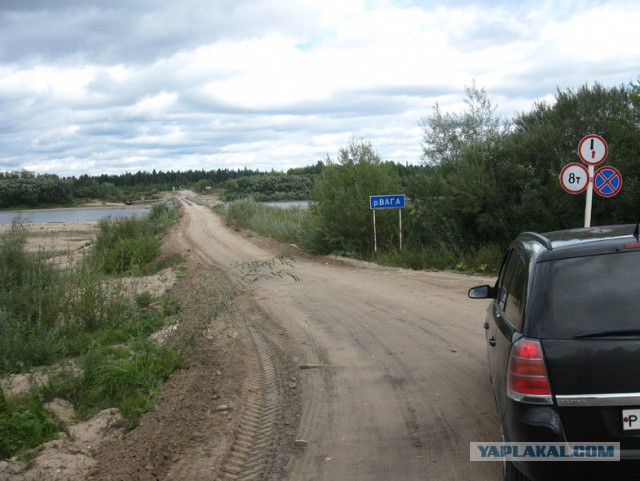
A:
x: 275, y: 84
x: 154, y: 106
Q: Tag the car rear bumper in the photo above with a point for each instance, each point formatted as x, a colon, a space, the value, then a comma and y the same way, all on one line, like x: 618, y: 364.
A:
x: 541, y: 424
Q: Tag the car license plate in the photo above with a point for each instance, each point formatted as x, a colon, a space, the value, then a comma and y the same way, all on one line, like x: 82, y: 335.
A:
x: 630, y: 419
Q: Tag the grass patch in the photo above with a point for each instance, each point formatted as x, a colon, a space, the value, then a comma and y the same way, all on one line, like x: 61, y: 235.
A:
x: 24, y: 424
x: 129, y: 245
x: 48, y: 315
x: 434, y: 258
x: 284, y: 225
x: 128, y: 378
x: 68, y: 314
x: 486, y: 260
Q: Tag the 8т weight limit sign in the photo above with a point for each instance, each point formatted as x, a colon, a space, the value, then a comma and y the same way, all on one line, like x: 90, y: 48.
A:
x: 574, y: 178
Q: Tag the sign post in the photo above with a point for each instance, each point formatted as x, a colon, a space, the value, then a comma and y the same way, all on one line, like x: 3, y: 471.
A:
x: 592, y: 149
x: 576, y: 178
x: 386, y: 202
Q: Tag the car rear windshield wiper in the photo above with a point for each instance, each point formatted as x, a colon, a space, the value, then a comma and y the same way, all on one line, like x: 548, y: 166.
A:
x: 608, y: 333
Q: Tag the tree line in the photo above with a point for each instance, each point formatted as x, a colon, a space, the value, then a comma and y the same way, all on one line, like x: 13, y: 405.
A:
x: 482, y: 179
x: 488, y: 178
x: 271, y: 187
x: 24, y: 188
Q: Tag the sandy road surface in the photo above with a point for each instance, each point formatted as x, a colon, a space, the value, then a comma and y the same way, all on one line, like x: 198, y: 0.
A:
x: 392, y: 376
x: 357, y: 372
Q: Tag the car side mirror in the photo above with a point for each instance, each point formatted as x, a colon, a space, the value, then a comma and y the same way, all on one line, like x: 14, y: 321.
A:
x: 482, y: 292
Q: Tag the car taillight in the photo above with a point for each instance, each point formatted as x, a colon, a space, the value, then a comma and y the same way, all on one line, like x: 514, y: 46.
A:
x: 527, y: 379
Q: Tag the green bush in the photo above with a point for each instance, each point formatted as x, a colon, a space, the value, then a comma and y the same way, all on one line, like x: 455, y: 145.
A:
x: 24, y: 424
x: 341, y: 195
x: 129, y: 255
x: 129, y: 378
x: 161, y: 215
x: 22, y: 344
x: 4, y: 406
x: 29, y: 286
x: 129, y: 244
x: 488, y: 259
x: 30, y: 296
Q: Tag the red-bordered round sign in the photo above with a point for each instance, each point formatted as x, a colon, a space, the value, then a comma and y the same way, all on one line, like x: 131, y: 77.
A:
x: 593, y: 149
x: 607, y: 181
x: 574, y: 178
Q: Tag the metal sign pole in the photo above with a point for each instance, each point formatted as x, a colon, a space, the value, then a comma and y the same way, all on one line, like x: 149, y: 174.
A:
x: 375, y: 237
x: 589, y: 200
x: 385, y: 202
x: 400, y: 221
x: 592, y: 150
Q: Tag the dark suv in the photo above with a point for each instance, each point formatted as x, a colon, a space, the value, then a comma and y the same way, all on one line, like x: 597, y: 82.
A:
x: 563, y: 342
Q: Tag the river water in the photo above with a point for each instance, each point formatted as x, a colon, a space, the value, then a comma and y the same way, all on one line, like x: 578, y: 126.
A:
x: 71, y: 215
x: 288, y: 204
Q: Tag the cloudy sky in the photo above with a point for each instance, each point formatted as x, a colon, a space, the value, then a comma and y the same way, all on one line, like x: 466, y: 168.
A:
x: 92, y: 87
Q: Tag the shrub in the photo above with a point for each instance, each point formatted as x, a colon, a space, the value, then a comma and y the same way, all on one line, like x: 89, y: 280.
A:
x: 129, y: 244
x: 488, y: 258
x: 127, y: 378
x: 24, y: 424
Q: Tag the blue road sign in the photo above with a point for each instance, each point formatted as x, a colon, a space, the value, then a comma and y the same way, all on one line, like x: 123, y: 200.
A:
x: 607, y: 181
x: 386, y: 201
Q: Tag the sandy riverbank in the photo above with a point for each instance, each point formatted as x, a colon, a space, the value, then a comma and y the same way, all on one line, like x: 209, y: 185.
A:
x: 63, y: 237
x: 58, y: 238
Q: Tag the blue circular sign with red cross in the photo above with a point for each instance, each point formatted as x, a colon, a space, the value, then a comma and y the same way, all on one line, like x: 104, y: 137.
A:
x: 607, y: 181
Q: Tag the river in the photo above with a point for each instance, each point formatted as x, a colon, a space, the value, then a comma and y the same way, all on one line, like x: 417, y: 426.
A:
x: 44, y: 216
x: 288, y: 204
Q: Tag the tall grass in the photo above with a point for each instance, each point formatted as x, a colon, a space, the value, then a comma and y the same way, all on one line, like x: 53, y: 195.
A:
x: 129, y: 244
x: 30, y: 298
x: 284, y: 225
x: 47, y: 315
x: 440, y: 257
x: 128, y: 378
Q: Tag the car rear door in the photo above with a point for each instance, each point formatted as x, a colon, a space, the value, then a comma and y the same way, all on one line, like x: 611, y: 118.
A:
x: 597, y: 388
x: 589, y: 326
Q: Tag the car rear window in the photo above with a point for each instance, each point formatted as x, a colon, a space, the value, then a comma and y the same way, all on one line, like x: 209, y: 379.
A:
x: 584, y: 294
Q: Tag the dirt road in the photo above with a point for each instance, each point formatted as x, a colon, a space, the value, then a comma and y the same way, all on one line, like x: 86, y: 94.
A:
x: 355, y: 373
x: 392, y: 375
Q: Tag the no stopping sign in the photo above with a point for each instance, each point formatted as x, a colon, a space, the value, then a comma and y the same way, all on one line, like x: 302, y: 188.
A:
x: 607, y: 182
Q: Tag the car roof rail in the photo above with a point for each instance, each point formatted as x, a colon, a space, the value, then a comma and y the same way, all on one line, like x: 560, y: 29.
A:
x: 538, y: 238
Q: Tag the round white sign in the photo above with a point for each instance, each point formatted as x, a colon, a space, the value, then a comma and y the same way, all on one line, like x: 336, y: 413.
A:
x: 574, y: 178
x: 593, y: 149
